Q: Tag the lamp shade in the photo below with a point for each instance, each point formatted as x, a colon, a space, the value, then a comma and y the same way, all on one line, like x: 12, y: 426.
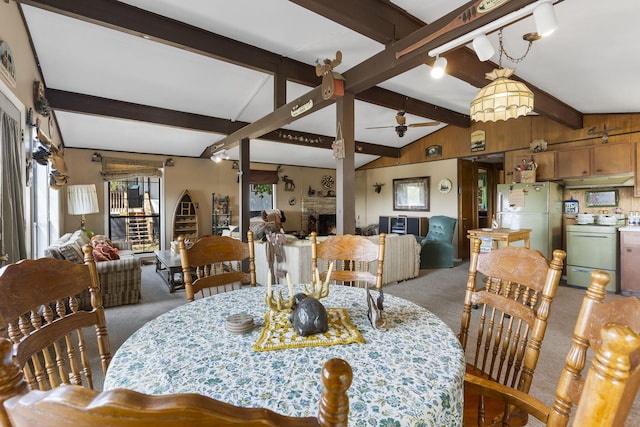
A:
x: 502, y: 99
x: 82, y: 199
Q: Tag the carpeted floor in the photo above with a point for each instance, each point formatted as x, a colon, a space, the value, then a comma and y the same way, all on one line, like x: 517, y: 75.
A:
x: 439, y: 290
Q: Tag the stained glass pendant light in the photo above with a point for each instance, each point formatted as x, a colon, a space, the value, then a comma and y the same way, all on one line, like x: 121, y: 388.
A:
x: 502, y: 99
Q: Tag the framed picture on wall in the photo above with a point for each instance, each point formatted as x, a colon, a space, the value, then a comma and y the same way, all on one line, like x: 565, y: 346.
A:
x: 411, y: 194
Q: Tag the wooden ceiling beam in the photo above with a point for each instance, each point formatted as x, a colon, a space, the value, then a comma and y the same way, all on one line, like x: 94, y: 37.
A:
x: 462, y: 64
x: 380, y: 21
x: 131, y: 20
x: 87, y: 104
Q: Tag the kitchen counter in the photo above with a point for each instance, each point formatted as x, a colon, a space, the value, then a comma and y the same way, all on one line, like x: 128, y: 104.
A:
x: 634, y: 228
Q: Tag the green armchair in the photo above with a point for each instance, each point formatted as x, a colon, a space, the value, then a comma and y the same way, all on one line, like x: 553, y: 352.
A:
x: 437, y: 247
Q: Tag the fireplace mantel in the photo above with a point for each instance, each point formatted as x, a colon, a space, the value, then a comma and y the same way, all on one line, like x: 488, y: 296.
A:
x: 316, y: 206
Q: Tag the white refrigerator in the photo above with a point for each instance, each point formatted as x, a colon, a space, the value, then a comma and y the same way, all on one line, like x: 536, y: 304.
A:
x: 537, y: 206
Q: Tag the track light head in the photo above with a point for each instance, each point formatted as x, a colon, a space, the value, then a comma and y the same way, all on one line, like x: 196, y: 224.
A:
x: 483, y: 48
x: 438, y: 67
x: 545, y: 18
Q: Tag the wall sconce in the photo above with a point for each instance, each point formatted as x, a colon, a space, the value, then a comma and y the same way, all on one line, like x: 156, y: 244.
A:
x: 96, y: 157
x: 169, y: 163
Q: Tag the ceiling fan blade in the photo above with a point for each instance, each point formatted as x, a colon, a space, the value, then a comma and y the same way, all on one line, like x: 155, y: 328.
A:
x: 380, y: 127
x: 417, y: 125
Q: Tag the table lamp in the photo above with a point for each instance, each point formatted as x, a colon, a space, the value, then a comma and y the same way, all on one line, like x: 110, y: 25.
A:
x: 81, y: 200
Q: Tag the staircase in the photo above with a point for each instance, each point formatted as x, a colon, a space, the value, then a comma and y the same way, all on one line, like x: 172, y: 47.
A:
x: 139, y: 231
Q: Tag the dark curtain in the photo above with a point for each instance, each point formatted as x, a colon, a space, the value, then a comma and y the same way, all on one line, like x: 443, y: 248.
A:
x: 13, y: 221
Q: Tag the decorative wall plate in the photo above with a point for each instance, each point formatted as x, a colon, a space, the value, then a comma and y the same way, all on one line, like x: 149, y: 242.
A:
x: 444, y: 186
x: 327, y: 181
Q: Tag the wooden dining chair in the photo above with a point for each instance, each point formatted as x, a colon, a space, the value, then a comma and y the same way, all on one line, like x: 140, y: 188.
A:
x: 39, y: 312
x: 602, y: 397
x: 74, y: 406
x: 357, y: 261
x: 510, y: 314
x: 214, y: 264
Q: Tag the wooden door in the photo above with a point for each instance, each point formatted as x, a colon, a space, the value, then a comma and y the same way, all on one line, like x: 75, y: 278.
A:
x: 467, y: 204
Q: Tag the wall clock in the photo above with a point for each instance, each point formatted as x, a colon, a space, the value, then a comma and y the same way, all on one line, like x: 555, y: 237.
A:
x: 327, y: 181
x: 444, y: 186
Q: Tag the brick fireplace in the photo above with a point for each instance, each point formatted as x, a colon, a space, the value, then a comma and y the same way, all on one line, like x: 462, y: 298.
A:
x: 319, y: 214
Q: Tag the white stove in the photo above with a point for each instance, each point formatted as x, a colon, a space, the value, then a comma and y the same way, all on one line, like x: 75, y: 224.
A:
x: 592, y: 247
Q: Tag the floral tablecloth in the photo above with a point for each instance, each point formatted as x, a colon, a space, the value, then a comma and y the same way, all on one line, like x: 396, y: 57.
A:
x: 410, y: 374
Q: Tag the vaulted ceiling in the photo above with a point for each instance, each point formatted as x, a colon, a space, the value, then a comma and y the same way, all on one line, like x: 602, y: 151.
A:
x: 176, y: 77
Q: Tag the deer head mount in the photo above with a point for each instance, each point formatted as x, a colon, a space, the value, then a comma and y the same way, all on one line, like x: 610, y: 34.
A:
x: 377, y: 187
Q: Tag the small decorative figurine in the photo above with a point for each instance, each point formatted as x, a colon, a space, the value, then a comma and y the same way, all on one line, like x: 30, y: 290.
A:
x: 309, y: 316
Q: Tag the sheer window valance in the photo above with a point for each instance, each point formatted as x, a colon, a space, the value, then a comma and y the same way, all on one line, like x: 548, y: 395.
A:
x: 114, y: 169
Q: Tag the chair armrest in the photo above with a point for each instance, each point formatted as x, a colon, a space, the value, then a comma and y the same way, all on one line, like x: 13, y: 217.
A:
x: 122, y: 245
x: 515, y: 397
x: 121, y: 264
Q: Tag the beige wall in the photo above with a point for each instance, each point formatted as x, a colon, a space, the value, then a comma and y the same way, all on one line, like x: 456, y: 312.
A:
x: 201, y: 177
x: 371, y: 205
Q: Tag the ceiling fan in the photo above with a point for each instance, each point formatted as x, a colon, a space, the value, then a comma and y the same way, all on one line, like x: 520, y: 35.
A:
x: 402, y: 127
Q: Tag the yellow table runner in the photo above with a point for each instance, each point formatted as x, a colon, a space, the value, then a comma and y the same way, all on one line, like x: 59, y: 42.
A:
x: 278, y: 333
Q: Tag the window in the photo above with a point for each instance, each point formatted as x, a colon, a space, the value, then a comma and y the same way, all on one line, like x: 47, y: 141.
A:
x: 134, y: 212
x: 261, y: 197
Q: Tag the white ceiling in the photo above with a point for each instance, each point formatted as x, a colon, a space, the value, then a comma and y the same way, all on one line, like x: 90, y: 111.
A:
x: 589, y: 63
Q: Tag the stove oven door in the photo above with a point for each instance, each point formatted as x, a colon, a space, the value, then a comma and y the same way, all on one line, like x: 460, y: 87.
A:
x: 588, y: 251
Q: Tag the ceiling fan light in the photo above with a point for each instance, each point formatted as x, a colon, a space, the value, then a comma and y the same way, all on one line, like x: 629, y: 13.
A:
x: 545, y: 18
x: 438, y: 67
x: 483, y: 48
x: 502, y: 99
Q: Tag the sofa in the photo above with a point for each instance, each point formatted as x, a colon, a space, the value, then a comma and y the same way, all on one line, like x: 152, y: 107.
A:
x: 401, y: 259
x: 437, y: 246
x: 120, y: 279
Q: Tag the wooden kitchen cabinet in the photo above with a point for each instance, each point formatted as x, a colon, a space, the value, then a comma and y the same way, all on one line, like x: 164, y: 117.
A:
x: 613, y: 159
x: 629, y: 262
x: 574, y: 163
x: 546, y: 162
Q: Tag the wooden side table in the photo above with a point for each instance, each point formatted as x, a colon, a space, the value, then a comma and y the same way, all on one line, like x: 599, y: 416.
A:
x: 505, y: 235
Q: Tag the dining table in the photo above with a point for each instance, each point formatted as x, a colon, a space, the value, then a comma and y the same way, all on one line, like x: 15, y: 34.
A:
x: 410, y: 372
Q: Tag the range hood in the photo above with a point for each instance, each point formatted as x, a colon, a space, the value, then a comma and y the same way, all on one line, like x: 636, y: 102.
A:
x: 601, y: 181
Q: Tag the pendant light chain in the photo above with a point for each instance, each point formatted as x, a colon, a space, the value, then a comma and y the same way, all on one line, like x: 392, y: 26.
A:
x: 514, y: 60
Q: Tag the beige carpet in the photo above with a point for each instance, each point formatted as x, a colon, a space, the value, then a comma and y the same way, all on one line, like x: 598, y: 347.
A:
x: 439, y: 290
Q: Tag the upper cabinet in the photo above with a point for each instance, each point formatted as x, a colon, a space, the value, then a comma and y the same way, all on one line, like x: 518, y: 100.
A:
x: 574, y: 163
x: 612, y: 159
x: 545, y: 162
x: 604, y: 159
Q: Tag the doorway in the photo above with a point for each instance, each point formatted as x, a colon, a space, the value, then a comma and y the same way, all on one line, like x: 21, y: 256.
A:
x: 478, y: 178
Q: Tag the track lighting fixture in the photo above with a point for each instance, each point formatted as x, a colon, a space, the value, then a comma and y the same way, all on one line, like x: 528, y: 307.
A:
x: 545, y: 18
x: 219, y: 156
x: 438, y: 67
x: 483, y: 48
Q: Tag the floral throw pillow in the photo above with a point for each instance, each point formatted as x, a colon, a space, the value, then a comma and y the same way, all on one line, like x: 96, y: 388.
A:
x: 104, y: 252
